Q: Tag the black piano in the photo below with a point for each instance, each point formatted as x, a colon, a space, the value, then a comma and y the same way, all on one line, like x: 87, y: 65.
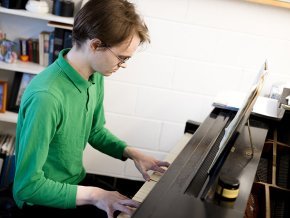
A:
x: 252, y: 171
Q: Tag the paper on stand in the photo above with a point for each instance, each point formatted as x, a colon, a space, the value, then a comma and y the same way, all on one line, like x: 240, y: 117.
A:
x: 266, y: 106
x: 233, y: 100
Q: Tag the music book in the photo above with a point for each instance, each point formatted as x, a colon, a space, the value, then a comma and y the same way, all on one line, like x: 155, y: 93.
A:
x: 244, y: 111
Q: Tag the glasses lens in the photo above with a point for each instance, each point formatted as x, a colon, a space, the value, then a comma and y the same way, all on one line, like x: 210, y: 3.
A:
x: 121, y: 59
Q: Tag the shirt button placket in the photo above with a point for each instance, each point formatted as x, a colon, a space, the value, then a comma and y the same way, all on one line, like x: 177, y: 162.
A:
x: 88, y: 99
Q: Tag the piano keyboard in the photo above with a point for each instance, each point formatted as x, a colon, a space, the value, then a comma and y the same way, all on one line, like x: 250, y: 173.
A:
x: 155, y: 176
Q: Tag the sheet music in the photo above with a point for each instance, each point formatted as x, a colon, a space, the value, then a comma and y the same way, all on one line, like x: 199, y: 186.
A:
x: 246, y: 105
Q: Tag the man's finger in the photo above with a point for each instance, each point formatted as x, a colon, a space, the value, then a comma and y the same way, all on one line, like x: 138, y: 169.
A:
x: 125, y: 209
x: 146, y: 176
x: 163, y: 164
x: 130, y: 202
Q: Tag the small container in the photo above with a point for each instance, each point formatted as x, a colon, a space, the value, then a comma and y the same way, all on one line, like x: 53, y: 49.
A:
x: 37, y: 6
x: 56, y: 9
x: 64, y: 8
x: 67, y: 9
x: 227, y: 188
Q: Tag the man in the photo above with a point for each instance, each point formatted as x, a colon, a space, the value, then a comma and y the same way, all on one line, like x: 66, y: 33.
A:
x: 62, y: 109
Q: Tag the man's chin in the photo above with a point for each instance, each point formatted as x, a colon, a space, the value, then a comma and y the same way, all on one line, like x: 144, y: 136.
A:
x: 107, y: 73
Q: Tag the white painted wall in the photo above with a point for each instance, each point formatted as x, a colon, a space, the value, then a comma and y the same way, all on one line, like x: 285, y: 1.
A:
x: 199, y: 47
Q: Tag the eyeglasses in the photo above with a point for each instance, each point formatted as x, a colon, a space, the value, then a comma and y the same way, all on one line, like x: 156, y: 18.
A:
x: 121, y: 59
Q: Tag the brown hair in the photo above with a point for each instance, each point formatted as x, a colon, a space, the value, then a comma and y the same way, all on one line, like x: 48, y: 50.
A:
x: 111, y: 21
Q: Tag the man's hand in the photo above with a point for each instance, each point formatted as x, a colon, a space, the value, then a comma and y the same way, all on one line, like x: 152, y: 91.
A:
x: 144, y: 162
x: 109, y: 201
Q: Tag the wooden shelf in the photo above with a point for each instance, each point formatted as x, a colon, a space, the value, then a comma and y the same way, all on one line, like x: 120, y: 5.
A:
x: 60, y: 25
x: 9, y: 116
x: 25, y: 67
x: 282, y: 4
x: 48, y: 17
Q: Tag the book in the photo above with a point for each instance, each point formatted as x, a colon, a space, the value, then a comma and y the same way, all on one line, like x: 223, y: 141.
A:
x: 23, y: 46
x: 1, y: 163
x: 8, y: 171
x: 23, y: 49
x: 3, y: 143
x: 58, y: 42
x: 30, y: 50
x: 8, y: 168
x: 46, y: 48
x: 67, y: 39
x: 50, y: 49
x: 43, y: 48
x: 6, y: 144
x: 245, y: 108
x: 35, y: 51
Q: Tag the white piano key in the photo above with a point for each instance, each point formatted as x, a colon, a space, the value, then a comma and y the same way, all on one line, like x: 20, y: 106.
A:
x: 156, y: 176
x: 139, y: 199
x: 123, y: 215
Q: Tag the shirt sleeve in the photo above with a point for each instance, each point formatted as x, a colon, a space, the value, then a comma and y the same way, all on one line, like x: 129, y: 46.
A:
x: 36, y: 127
x: 101, y: 138
x: 104, y: 141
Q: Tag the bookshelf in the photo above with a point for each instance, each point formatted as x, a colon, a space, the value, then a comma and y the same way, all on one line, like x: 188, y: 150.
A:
x: 26, y: 67
x: 25, y: 25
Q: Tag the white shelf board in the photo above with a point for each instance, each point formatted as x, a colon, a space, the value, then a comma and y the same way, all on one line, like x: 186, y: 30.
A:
x: 20, y: 66
x: 9, y: 116
x: 48, y: 17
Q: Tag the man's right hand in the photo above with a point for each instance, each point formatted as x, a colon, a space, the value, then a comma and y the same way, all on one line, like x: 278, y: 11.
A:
x: 109, y: 201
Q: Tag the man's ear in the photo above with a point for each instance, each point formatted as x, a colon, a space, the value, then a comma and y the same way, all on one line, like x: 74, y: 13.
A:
x: 95, y: 44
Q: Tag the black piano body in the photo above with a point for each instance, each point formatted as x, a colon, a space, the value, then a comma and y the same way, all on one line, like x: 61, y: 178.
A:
x: 188, y: 188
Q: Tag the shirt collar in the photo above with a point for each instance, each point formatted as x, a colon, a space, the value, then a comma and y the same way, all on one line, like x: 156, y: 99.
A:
x: 80, y: 83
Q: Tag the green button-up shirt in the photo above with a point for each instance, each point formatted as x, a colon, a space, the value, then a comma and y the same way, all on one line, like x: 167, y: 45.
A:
x: 60, y: 113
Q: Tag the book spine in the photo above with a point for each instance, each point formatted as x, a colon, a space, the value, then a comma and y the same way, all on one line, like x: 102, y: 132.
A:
x: 35, y: 51
x: 7, y: 161
x: 58, y: 42
x: 1, y: 164
x: 46, y: 49
x: 30, y: 50
x: 23, y: 49
x: 8, y: 171
x: 50, y: 52
x: 41, y: 48
x: 67, y: 39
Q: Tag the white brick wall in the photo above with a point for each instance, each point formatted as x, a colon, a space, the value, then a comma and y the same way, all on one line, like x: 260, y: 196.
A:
x: 199, y: 47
